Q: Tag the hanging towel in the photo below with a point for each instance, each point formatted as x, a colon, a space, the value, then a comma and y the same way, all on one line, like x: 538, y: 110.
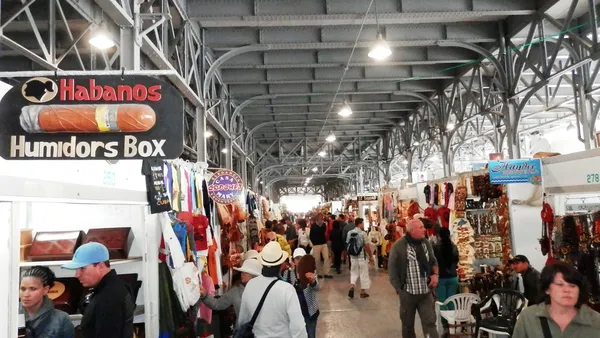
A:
x: 205, y: 312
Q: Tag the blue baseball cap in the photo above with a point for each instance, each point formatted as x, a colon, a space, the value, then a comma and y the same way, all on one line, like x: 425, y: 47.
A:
x: 89, y: 253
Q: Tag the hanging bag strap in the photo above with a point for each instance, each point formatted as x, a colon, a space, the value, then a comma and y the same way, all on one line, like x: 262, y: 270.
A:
x: 260, y: 304
x: 545, y: 327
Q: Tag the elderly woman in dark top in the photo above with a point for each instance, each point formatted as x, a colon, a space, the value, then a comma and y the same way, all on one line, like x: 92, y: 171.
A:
x: 564, y: 312
x: 42, y: 320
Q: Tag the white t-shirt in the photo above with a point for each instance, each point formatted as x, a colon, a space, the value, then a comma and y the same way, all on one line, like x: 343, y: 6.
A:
x: 304, y: 236
x: 280, y: 316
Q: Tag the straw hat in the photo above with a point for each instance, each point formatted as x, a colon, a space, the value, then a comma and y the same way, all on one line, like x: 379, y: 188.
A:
x: 250, y: 266
x: 272, y: 255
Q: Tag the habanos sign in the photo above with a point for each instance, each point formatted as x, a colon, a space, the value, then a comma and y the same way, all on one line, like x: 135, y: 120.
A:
x: 225, y: 186
x: 102, y: 117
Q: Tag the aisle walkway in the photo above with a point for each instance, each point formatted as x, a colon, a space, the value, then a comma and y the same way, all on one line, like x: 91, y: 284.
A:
x: 373, y: 317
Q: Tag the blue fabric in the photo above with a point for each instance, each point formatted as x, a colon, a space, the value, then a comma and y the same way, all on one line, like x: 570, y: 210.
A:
x: 446, y: 288
x: 192, y: 175
x: 311, y: 328
x: 181, y: 232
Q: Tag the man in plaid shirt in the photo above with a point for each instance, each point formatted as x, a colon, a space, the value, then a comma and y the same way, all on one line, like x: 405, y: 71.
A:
x: 413, y: 271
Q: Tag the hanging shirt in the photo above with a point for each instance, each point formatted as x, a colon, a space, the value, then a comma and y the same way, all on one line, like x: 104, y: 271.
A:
x: 204, y: 312
x: 185, y: 191
x: 194, y: 205
x: 176, y: 189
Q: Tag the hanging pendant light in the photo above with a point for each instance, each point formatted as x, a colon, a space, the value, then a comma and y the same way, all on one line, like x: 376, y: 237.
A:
x: 101, y: 38
x: 322, y: 153
x: 346, y: 110
x: 331, y: 137
x: 380, y: 49
x: 570, y: 126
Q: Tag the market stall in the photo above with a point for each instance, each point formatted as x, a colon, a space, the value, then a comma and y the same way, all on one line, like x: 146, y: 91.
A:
x: 77, y: 200
x: 368, y: 209
x: 572, y: 186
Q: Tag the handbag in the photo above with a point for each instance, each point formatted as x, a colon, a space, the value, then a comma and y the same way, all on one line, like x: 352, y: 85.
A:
x: 245, y: 330
x: 545, y: 327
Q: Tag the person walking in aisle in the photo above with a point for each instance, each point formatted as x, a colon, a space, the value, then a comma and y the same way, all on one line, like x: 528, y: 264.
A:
x: 347, y: 228
x: 319, y: 242
x: 337, y: 246
x: 526, y: 279
x: 111, y: 308
x: 281, y: 315
x: 375, y: 242
x: 446, y: 254
x: 360, y: 257
x: 304, y: 236
x: 413, y: 272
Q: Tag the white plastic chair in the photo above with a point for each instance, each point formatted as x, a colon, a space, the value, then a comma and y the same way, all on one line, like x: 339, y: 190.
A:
x: 460, y: 315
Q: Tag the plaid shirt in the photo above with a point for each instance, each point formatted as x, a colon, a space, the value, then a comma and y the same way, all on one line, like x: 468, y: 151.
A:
x: 416, y: 283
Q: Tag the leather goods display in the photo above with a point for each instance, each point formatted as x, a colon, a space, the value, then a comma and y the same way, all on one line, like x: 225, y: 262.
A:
x: 117, y: 240
x: 49, y: 246
x: 65, y: 294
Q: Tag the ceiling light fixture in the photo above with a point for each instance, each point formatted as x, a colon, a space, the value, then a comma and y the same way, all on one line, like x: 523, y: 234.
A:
x: 346, y: 110
x: 322, y: 153
x: 315, y: 169
x: 450, y: 126
x: 571, y: 126
x: 331, y: 137
x: 224, y: 150
x: 208, y: 134
x: 261, y: 182
x: 416, y: 143
x: 380, y: 49
x: 101, y: 38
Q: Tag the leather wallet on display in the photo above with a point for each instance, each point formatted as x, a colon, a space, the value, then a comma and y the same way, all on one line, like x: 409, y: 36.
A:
x: 117, y: 240
x: 53, y: 246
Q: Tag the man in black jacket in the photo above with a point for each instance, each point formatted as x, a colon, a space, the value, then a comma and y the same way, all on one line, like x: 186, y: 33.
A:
x: 526, y: 279
x: 111, y: 308
x: 318, y: 238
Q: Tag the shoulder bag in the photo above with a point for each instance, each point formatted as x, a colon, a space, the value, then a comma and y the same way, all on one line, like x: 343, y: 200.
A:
x: 545, y: 327
x: 245, y: 330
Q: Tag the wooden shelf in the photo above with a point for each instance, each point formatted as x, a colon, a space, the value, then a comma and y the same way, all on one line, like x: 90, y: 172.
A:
x: 59, y: 263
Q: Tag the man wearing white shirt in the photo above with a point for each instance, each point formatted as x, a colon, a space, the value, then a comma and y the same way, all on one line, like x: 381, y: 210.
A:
x: 281, y: 315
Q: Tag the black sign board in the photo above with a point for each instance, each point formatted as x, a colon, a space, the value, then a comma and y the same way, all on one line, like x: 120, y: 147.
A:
x: 89, y: 118
x: 367, y: 198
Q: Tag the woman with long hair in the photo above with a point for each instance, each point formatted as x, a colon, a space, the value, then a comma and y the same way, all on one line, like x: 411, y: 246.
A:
x: 446, y: 253
x: 42, y: 320
x: 564, y: 312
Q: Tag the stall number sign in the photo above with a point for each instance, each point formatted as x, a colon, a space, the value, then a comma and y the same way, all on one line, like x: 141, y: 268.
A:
x: 592, y: 178
x: 225, y: 186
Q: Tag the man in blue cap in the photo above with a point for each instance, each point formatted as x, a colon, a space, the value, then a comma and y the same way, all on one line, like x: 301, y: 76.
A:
x: 111, y: 307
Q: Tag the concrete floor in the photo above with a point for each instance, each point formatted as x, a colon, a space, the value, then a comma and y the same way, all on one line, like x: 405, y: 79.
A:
x: 376, y: 316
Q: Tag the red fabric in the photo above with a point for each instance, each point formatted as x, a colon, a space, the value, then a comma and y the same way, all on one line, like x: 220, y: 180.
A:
x: 161, y: 256
x: 430, y: 214
x: 328, y: 229
x: 413, y: 209
x: 444, y: 214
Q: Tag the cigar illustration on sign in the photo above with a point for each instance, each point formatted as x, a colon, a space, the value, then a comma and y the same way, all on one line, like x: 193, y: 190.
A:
x: 114, y: 118
x: 99, y: 117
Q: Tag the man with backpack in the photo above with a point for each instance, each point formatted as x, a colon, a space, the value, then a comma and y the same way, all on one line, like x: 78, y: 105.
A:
x: 357, y: 246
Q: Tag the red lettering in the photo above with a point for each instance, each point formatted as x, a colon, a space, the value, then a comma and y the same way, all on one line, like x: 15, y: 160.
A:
x: 154, y: 93
x: 81, y: 94
x: 140, y: 93
x: 109, y: 94
x: 67, y: 89
x: 95, y: 91
x: 125, y: 93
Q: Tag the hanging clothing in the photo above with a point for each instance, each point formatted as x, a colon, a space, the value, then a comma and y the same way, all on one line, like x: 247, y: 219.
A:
x: 212, y: 262
x: 205, y: 312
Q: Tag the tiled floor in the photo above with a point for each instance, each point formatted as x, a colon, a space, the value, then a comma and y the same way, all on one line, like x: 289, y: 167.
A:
x: 373, y: 317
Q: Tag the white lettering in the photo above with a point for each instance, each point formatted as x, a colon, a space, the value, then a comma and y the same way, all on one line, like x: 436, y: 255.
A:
x: 95, y: 146
x: 110, y: 150
x: 69, y: 148
x: 48, y: 149
x: 158, y: 144
x: 14, y: 147
x: 130, y: 146
x: 145, y: 148
x: 83, y: 149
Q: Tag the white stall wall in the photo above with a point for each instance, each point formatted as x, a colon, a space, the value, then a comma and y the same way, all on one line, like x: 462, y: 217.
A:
x: 5, y: 251
x: 526, y: 224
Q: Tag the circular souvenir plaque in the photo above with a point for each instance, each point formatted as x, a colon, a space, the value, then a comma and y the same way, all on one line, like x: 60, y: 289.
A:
x: 225, y: 186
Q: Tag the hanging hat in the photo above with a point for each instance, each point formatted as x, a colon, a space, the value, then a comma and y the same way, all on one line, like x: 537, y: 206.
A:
x: 272, y: 255
x: 251, y: 267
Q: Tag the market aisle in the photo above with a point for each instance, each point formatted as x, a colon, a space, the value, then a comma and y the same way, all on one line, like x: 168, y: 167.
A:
x: 376, y: 316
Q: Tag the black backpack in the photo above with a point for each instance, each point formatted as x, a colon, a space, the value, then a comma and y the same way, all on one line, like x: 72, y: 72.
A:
x: 355, y: 244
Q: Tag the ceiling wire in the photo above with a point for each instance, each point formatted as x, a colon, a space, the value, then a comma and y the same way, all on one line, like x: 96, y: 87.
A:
x: 346, y: 67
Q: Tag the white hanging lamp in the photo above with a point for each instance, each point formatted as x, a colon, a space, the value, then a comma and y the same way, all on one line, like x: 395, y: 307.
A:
x: 331, y: 137
x: 380, y: 49
x: 346, y: 110
x: 101, y: 38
